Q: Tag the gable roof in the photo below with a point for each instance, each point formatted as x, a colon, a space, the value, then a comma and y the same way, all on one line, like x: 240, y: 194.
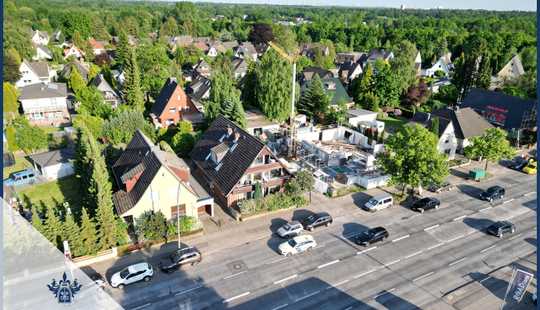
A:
x: 426, y: 120
x: 226, y: 173
x: 333, y: 88
x: 309, y: 72
x: 38, y: 91
x: 66, y: 71
x: 467, y: 123
x: 95, y: 44
x: 198, y: 87
x: 45, y: 50
x: 513, y: 67
x: 101, y: 84
x: 40, y: 68
x: 164, y: 96
x: 52, y: 158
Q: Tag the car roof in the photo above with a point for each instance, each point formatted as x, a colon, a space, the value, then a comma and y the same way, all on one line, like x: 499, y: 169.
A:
x: 303, y: 238
x: 138, y: 267
x: 494, y: 187
x: 379, y: 197
x: 292, y: 223
x: 23, y: 172
x: 377, y: 229
x: 321, y: 214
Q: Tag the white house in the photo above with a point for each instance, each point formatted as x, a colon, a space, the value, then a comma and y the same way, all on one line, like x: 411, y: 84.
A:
x: 74, y: 51
x: 34, y: 73
x: 444, y: 64
x: 448, y: 142
x: 45, y: 104
x: 361, y: 116
x: 258, y: 124
x: 110, y: 95
x: 246, y: 50
x: 40, y: 37
x: 212, y: 51
x: 42, y: 52
x: 54, y: 164
x: 511, y: 71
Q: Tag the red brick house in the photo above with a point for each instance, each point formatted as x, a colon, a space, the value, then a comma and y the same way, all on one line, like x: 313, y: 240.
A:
x: 229, y: 162
x: 172, y: 105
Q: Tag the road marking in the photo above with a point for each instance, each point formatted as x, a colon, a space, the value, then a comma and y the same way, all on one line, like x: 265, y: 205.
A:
x: 188, y: 290
x: 366, y: 250
x: 459, y: 218
x: 393, y: 262
x: 277, y: 260
x: 423, y: 276
x: 509, y: 200
x: 413, y: 254
x: 529, y: 193
x: 484, y: 209
x: 363, y: 274
x: 348, y: 308
x: 455, y: 238
x: 457, y: 261
x: 286, y: 279
x: 431, y: 227
x: 435, y: 246
x: 236, y: 297
x: 140, y: 307
x: 340, y: 283
x: 307, y: 296
x: 514, y: 237
x: 401, y: 238
x: 328, y: 264
x: 384, y: 293
x: 234, y: 275
x: 487, y: 249
x: 484, y: 279
x: 280, y: 307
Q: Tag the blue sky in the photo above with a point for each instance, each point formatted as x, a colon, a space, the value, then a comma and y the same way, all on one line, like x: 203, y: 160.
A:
x: 524, y: 5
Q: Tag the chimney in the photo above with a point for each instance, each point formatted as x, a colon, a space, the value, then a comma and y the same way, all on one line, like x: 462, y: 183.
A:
x: 236, y: 136
x: 229, y: 131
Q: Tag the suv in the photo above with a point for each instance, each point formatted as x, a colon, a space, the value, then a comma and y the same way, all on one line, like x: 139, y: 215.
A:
x: 425, y: 204
x: 290, y: 229
x: 493, y: 193
x: 501, y: 228
x: 379, y: 203
x: 23, y: 177
x: 180, y: 257
x: 316, y: 220
x: 131, y: 274
x: 297, y: 245
x: 371, y: 236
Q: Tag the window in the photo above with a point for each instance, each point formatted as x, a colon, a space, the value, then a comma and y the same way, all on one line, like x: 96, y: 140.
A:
x: 257, y: 176
x: 172, y: 110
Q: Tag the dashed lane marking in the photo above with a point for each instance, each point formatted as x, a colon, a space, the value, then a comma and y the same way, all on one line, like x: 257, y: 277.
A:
x: 188, y: 290
x: 366, y: 250
x: 280, y: 307
x: 140, y: 307
x: 509, y: 200
x: 487, y: 249
x: 514, y: 237
x: 457, y: 261
x: 401, y: 238
x: 328, y: 264
x: 307, y: 296
x: 435, y: 246
x: 286, y: 279
x: 459, y: 218
x: 364, y: 274
x: 234, y: 275
x: 384, y: 293
x: 392, y: 262
x: 484, y: 209
x: 413, y: 254
x: 236, y: 297
x: 423, y: 276
x: 340, y: 283
x: 455, y: 238
x: 431, y: 227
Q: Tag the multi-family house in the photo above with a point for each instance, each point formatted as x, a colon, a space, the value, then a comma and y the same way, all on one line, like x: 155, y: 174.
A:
x: 110, y: 95
x: 36, y: 72
x: 198, y: 90
x: 230, y: 162
x: 45, y: 104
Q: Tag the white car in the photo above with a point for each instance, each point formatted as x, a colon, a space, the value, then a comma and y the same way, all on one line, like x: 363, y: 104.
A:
x: 297, y: 245
x: 131, y: 274
x: 290, y: 229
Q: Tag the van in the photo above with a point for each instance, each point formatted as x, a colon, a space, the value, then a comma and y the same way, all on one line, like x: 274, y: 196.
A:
x: 378, y: 203
x: 23, y: 177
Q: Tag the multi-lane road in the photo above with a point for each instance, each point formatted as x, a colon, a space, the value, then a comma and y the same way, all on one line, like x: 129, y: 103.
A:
x: 421, y: 265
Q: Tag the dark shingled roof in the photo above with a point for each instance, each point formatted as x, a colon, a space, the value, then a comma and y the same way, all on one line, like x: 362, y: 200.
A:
x: 237, y: 160
x: 164, y: 96
x: 426, y: 120
x: 53, y: 157
x: 467, y: 123
x: 38, y: 91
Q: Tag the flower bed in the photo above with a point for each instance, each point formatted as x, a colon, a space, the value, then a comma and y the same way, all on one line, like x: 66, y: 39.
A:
x: 270, y: 203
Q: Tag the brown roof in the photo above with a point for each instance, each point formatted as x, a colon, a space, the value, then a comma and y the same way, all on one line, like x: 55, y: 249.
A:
x: 467, y: 123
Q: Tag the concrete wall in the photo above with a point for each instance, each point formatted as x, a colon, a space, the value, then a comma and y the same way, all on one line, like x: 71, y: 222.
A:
x: 58, y: 171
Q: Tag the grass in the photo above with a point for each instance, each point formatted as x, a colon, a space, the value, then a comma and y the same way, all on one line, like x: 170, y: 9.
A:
x: 59, y: 191
x: 392, y: 123
x: 347, y: 190
x: 21, y: 163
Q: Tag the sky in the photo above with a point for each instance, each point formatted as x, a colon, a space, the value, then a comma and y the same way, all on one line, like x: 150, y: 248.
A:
x: 500, y: 5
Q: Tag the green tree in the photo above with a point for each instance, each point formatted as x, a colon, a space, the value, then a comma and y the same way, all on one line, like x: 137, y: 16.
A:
x: 88, y: 234
x: 434, y: 126
x: 371, y: 102
x: 411, y: 158
x: 53, y: 227
x: 362, y: 85
x: 122, y: 49
x: 152, y: 225
x: 121, y: 127
x: 29, y: 138
x: 225, y: 99
x: 92, y: 103
x: 155, y: 67
x: 386, y: 85
x: 169, y: 28
x: 12, y: 62
x: 258, y: 191
x: 285, y: 38
x: 37, y: 223
x: 314, y: 102
x: 132, y: 85
x: 402, y: 66
x: 491, y: 146
x: 305, y: 180
x: 11, y: 107
x: 71, y: 233
x: 76, y: 81
x: 183, y: 143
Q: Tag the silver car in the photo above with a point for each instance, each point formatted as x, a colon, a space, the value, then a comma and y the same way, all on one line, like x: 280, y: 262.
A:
x: 291, y: 229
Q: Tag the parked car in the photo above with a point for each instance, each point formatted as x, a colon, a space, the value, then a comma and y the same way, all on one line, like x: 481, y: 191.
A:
x: 23, y: 177
x: 372, y: 235
x: 379, y: 203
x: 518, y: 164
x: 501, y: 228
x: 297, y: 245
x: 530, y: 167
x: 439, y: 188
x: 493, y: 193
x: 132, y: 274
x: 291, y: 229
x: 534, y: 298
x: 425, y: 204
x: 316, y: 220
x: 180, y: 257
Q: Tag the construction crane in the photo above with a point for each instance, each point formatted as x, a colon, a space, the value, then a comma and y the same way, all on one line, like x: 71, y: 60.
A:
x: 291, y: 59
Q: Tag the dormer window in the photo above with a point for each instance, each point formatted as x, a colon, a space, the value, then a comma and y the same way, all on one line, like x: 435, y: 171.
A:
x: 218, y: 152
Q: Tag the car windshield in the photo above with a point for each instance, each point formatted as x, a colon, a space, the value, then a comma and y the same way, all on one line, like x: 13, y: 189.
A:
x: 124, y: 273
x: 369, y: 233
x: 287, y: 227
x: 292, y: 243
x: 373, y: 201
x: 310, y: 218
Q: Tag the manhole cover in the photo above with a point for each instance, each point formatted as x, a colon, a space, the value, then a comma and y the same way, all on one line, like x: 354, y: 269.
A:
x: 237, y: 266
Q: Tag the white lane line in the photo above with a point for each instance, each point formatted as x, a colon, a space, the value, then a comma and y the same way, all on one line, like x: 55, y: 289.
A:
x: 340, y: 283
x: 401, y: 238
x: 188, y: 290
x: 364, y: 274
x: 391, y: 263
x: 307, y: 296
x: 140, y: 307
x: 431, y: 227
x: 459, y: 218
x: 509, y: 200
x: 423, y: 276
x: 277, y: 260
x: 286, y: 279
x: 435, y: 246
x: 236, y: 297
x: 487, y: 249
x: 234, y: 275
x: 484, y: 279
x: 366, y: 250
x: 484, y: 209
x: 328, y: 264
x: 348, y: 308
x: 457, y: 261
x: 413, y: 254
x: 455, y: 238
x: 529, y: 193
x: 384, y: 293
x: 280, y: 307
x: 514, y: 237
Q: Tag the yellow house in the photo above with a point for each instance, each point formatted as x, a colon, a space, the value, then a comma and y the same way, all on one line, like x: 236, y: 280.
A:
x: 150, y: 179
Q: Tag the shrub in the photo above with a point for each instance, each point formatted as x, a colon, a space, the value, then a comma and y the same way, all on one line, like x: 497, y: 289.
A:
x: 272, y: 202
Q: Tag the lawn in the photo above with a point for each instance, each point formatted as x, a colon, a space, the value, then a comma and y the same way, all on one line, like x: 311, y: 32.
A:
x: 59, y: 191
x: 391, y: 124
x: 21, y: 163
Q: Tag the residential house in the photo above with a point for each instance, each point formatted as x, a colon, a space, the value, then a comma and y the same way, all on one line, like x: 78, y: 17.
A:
x: 110, y: 95
x: 376, y: 54
x: 229, y: 162
x: 40, y: 37
x: 348, y: 71
x: 349, y: 57
x: 198, y: 90
x: 98, y: 47
x: 418, y: 64
x: 55, y: 164
x: 357, y: 117
x: 180, y: 41
x: 246, y: 50
x: 202, y: 43
x: 57, y: 37
x: 259, y: 126
x: 448, y: 142
x: 240, y: 67
x: 119, y: 76
x: 36, y: 72
x: 82, y: 68
x: 310, y: 49
x: 45, y: 104
x: 334, y: 89
x: 203, y: 68
x: 173, y: 105
x: 509, y: 112
x: 308, y: 73
x: 227, y: 45
x: 150, y: 179
x: 42, y: 52
x: 74, y: 51
x: 444, y: 64
x: 212, y: 51
x: 510, y: 72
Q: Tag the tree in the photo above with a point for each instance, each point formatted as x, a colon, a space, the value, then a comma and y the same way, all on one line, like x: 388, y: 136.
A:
x: 491, y: 146
x: 225, y: 99
x: 88, y: 234
x: 472, y: 68
x: 261, y: 33
x: 411, y: 158
x: 362, y: 85
x: 155, y: 67
x: 37, y: 223
x: 29, y: 138
x: 132, y: 84
x: 53, y: 227
x: 371, y: 102
x: 152, y: 225
x: 314, y: 102
x: 528, y: 58
x: 403, y: 65
x: 434, y: 126
x: 11, y: 108
x: 305, y: 180
x: 92, y: 103
x: 386, y: 85
x: 76, y: 81
x: 122, y: 49
x: 417, y: 95
x: 285, y: 38
x: 12, y: 62
x: 183, y: 142
x: 121, y: 127
x: 71, y: 234
x: 169, y: 28
x: 273, y: 86
x: 257, y: 193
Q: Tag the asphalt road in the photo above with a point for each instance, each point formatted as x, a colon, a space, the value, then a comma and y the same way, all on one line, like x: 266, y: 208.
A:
x: 426, y: 257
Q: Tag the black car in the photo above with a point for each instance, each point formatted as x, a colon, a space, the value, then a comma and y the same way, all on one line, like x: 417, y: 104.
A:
x: 518, y: 164
x: 424, y: 204
x: 501, y: 228
x: 371, y: 236
x: 316, y: 220
x: 180, y: 257
x: 493, y: 193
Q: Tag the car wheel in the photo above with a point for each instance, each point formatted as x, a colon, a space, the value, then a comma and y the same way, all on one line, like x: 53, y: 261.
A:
x: 288, y: 254
x: 421, y: 210
x: 310, y: 229
x: 327, y: 224
x: 437, y: 207
x: 513, y: 230
x: 490, y: 200
x: 120, y: 286
x: 146, y: 279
